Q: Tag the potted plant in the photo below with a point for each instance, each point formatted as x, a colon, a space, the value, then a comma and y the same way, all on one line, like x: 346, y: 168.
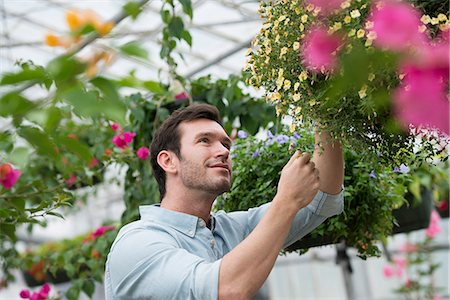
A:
x: 342, y: 64
x: 372, y: 191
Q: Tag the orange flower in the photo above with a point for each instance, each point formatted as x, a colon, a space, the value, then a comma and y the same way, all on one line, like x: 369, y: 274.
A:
x: 105, y: 28
x: 74, y: 20
x: 108, y: 152
x: 52, y: 40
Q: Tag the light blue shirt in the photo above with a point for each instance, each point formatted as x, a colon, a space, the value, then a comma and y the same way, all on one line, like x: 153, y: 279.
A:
x: 172, y: 255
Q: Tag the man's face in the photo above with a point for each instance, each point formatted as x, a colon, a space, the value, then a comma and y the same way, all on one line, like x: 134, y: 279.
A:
x: 205, y: 162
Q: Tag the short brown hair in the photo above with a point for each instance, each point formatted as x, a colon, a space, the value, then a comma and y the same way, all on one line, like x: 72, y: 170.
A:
x: 167, y: 136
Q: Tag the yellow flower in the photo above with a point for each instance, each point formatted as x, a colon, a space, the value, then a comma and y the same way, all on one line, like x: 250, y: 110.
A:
x: 280, y: 73
x: 434, y: 21
x: 337, y: 26
x: 371, y: 76
x: 301, y: 27
x: 278, y: 110
x: 283, y: 51
x: 267, y: 60
x: 249, y: 51
x: 368, y: 43
x: 303, y: 76
x: 352, y: 32
x: 360, y: 33
x: 276, y: 23
x: 277, y: 38
x: 298, y: 10
x: 345, y: 4
x: 422, y: 28
x: 266, y: 25
x: 275, y: 96
x: 444, y: 27
x: 296, y: 86
x: 425, y: 19
x: 279, y: 82
x: 362, y: 92
x: 347, y: 19
x: 401, y: 76
x: 298, y: 109
x: 442, y: 17
x: 312, y: 102
x: 281, y: 18
x: 296, y: 97
x: 310, y: 7
x: 268, y: 50
x: 304, y: 18
x: 287, y: 85
x: 296, y: 45
x: 355, y: 14
x: 292, y: 127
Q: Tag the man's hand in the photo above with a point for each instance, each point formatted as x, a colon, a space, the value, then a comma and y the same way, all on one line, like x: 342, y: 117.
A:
x: 299, y: 181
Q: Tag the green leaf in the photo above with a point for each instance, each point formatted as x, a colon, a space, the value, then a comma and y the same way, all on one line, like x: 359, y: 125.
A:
x: 133, y: 9
x: 39, y: 140
x: 52, y: 213
x: 19, y: 156
x: 13, y: 104
x: 165, y: 16
x: 176, y: 27
x: 64, y: 68
x: 73, y: 292
x: 153, y: 86
x: 88, y: 287
x: 187, y: 37
x: 9, y: 230
x: 75, y: 146
x: 187, y: 7
x: 6, y: 143
x: 54, y: 116
x: 134, y: 49
x: 107, y: 87
x: 37, y: 74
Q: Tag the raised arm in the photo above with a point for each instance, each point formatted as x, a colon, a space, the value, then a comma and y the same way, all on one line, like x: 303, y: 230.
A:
x: 247, y: 266
x: 329, y: 160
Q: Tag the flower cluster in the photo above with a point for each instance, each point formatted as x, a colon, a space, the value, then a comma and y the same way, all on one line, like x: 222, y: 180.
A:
x: 123, y: 139
x: 414, y: 267
x: 42, y: 294
x: 8, y: 175
x: 340, y: 63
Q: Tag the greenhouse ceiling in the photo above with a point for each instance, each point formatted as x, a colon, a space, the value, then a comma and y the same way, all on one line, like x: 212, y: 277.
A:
x: 221, y: 32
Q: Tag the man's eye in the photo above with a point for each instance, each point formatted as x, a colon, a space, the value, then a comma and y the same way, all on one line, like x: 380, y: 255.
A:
x: 204, y: 140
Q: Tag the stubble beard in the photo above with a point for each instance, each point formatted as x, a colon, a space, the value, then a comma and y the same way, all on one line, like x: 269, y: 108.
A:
x: 194, y: 176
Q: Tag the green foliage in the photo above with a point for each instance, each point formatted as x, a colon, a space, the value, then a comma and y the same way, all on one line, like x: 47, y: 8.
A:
x: 371, y: 193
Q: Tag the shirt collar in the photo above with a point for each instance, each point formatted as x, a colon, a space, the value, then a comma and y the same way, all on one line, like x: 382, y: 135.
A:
x: 184, y: 223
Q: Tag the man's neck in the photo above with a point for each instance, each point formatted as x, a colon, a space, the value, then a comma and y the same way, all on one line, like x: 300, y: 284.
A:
x: 193, y: 203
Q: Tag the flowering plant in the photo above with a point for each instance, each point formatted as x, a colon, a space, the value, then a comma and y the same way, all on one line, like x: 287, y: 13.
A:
x: 372, y: 191
x: 415, y: 267
x: 342, y: 64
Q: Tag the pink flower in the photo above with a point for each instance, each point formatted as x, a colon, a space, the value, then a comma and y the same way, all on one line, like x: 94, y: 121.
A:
x: 326, y: 6
x: 443, y: 205
x: 181, y: 96
x: 93, y: 163
x: 122, y: 140
x: 319, y: 53
x: 421, y: 100
x: 438, y: 297
x: 143, y: 153
x: 102, y: 229
x: 434, y: 228
x: 396, y: 25
x: 388, y: 271
x: 408, y: 248
x: 44, y: 291
x: 24, y: 294
x: 8, y: 176
x: 116, y: 127
x: 71, y: 181
x: 400, y: 264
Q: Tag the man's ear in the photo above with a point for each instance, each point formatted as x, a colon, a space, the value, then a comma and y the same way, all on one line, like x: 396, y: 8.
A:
x: 167, y: 161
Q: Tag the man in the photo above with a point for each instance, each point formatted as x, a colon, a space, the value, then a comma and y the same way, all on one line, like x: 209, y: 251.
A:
x: 179, y: 250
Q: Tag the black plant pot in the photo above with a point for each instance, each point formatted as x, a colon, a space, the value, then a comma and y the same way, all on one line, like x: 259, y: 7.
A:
x: 31, y: 281
x: 414, y: 217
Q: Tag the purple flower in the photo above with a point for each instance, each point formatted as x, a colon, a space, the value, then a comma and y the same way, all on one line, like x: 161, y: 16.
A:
x: 242, y: 134
x: 255, y: 154
x: 269, y: 135
x: 296, y: 135
x: 282, y: 138
x: 403, y: 169
x: 24, y: 294
x: 372, y: 174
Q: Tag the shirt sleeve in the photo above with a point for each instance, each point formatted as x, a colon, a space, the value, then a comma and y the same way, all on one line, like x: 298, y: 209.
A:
x: 140, y: 268
x: 307, y: 219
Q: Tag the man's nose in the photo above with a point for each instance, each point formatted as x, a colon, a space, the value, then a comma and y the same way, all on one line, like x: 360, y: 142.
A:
x: 223, y: 151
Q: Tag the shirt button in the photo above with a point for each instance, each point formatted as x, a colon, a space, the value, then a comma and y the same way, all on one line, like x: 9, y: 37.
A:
x: 191, y: 232
x: 212, y: 243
